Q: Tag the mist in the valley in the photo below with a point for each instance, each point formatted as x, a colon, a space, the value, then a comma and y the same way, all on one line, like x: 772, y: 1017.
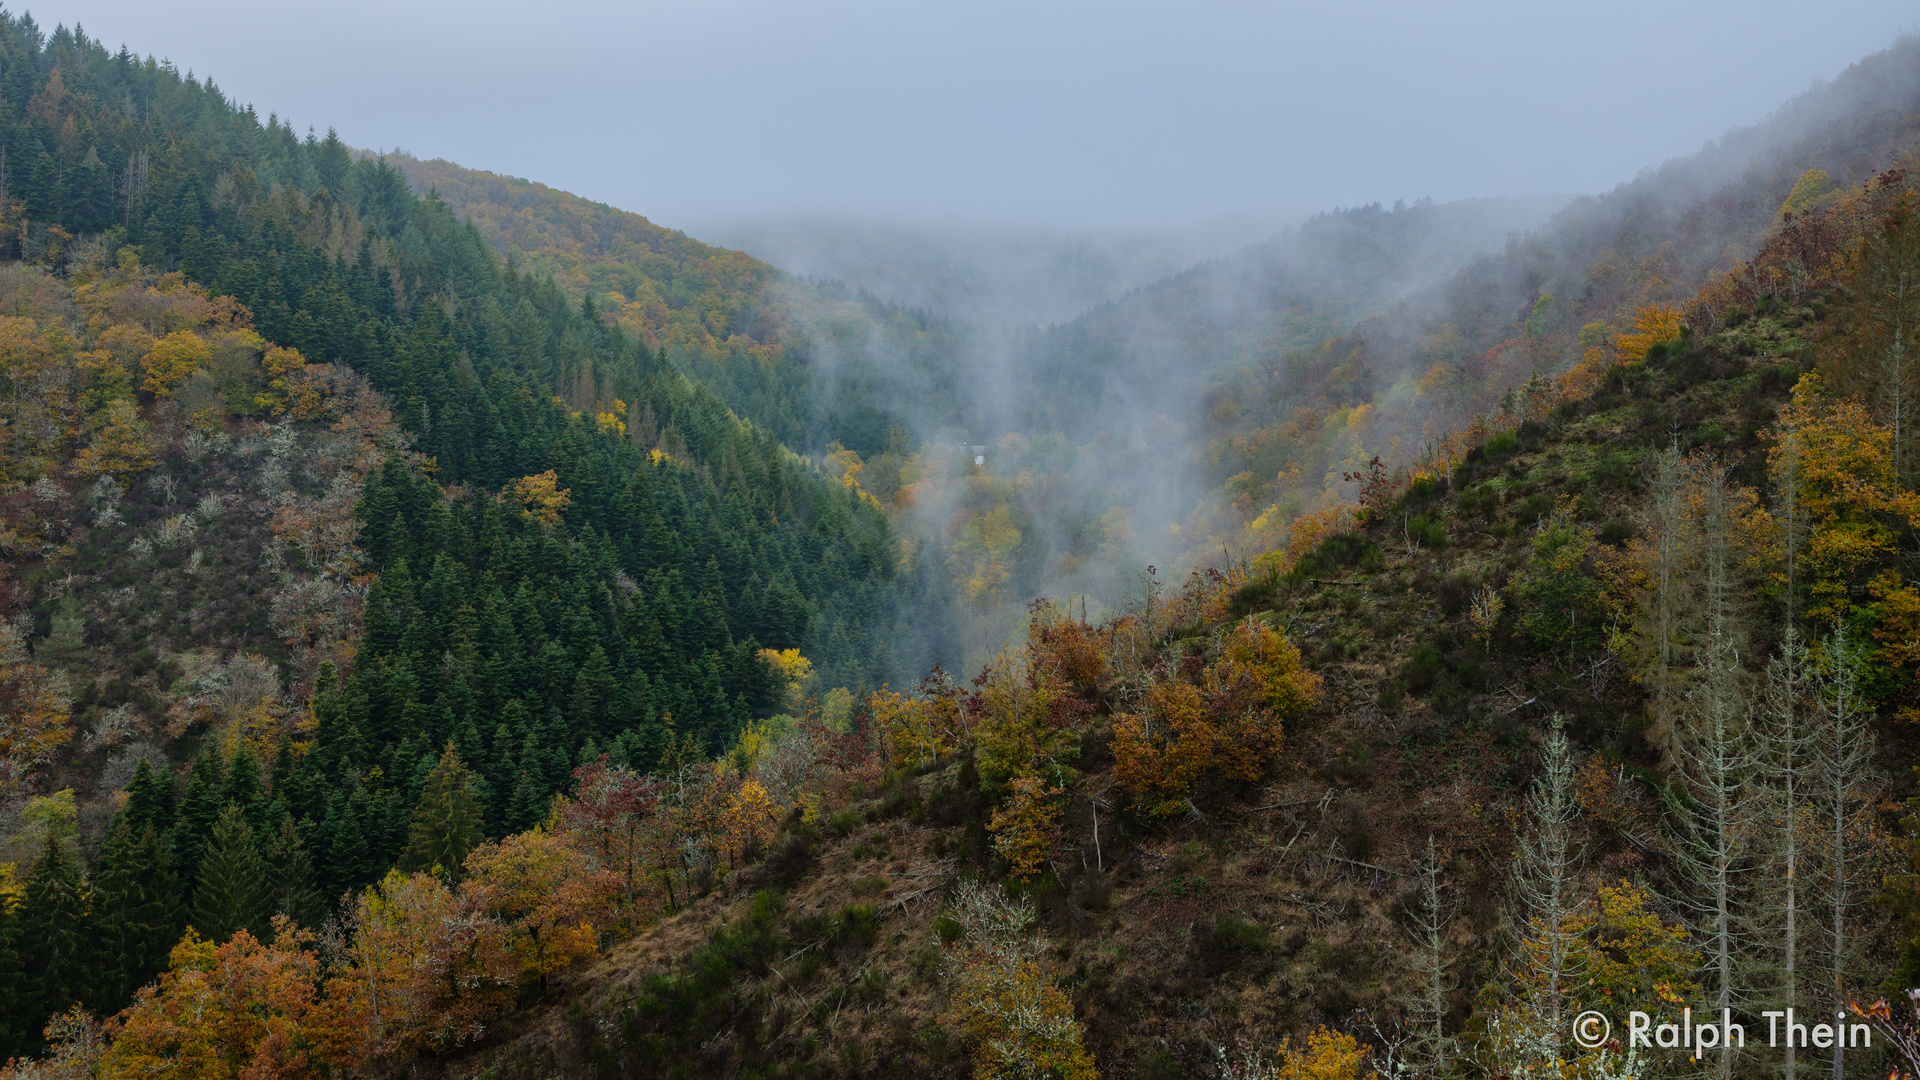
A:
x: 982, y: 274
x: 1186, y: 423
x: 1035, y: 407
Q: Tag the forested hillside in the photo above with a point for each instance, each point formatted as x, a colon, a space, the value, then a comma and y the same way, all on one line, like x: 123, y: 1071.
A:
x: 1608, y: 716
x: 1215, y: 409
x: 1102, y: 410
x: 666, y: 288
x: 1211, y: 410
x: 411, y: 670
x: 304, y: 484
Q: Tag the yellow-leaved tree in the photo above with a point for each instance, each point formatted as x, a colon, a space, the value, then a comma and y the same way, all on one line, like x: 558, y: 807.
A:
x: 1027, y: 827
x: 1326, y: 1055
x: 1655, y: 324
x: 1841, y: 511
x: 1021, y: 1025
x: 1225, y: 724
x: 539, y: 497
x: 119, y: 443
x: 172, y: 359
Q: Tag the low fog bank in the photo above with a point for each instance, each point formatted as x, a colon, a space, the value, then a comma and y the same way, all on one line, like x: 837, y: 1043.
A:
x: 990, y: 275
x: 1060, y: 462
x: 1192, y: 420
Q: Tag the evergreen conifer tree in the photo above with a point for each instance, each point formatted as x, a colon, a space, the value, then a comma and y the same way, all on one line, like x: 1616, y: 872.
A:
x: 149, y: 800
x: 233, y: 892
x: 349, y: 849
x: 594, y: 689
x: 193, y: 824
x: 528, y: 806
x: 295, y: 893
x: 57, y: 940
x: 137, y: 910
x: 243, y: 788
x: 17, y: 1035
x: 447, y: 822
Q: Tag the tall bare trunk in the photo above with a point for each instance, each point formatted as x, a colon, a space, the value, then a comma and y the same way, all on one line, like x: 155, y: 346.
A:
x: 1545, y: 879
x: 1785, y: 750
x: 1843, y: 754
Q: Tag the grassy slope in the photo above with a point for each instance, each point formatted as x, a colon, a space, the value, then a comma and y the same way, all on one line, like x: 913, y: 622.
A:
x: 1283, y: 908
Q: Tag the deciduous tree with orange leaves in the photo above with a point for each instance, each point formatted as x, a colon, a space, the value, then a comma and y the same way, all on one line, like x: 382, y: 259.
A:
x: 1219, y: 721
x: 1026, y: 829
x: 539, y: 497
x: 1655, y: 324
x: 611, y: 815
x: 545, y: 894
x: 238, y: 1009
x: 918, y: 729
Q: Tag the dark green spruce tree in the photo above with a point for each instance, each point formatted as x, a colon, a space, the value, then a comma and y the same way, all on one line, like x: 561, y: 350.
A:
x: 194, y: 820
x: 234, y: 892
x: 295, y: 894
x: 18, y: 1036
x: 137, y: 908
x: 58, y: 943
x: 447, y: 822
x: 149, y: 800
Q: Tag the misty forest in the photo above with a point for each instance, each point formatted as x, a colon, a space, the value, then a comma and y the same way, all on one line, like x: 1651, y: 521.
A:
x: 453, y: 628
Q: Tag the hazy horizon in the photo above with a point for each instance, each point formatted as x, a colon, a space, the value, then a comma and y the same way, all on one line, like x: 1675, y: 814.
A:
x: 1071, y: 117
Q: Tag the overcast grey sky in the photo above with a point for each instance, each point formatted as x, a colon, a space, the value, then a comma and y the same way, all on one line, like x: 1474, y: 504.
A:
x: 1068, y: 113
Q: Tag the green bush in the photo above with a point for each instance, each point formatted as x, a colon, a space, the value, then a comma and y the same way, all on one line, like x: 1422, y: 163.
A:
x: 1158, y: 1065
x: 855, y: 929
x: 1232, y: 941
x: 1332, y: 556
x: 1421, y: 669
x: 672, y: 1015
x: 1562, y: 603
x: 1352, y: 766
x: 1388, y: 699
x: 1422, y: 529
x: 947, y: 929
x: 872, y: 987
x: 1359, y: 844
x: 1506, y: 442
x: 1532, y: 508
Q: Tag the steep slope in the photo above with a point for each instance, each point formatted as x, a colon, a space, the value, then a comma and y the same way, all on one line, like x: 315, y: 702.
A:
x: 1211, y: 410
x: 1445, y: 628
x: 673, y: 291
x: 1542, y: 305
x: 991, y: 276
x: 428, y: 500
x: 412, y: 604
